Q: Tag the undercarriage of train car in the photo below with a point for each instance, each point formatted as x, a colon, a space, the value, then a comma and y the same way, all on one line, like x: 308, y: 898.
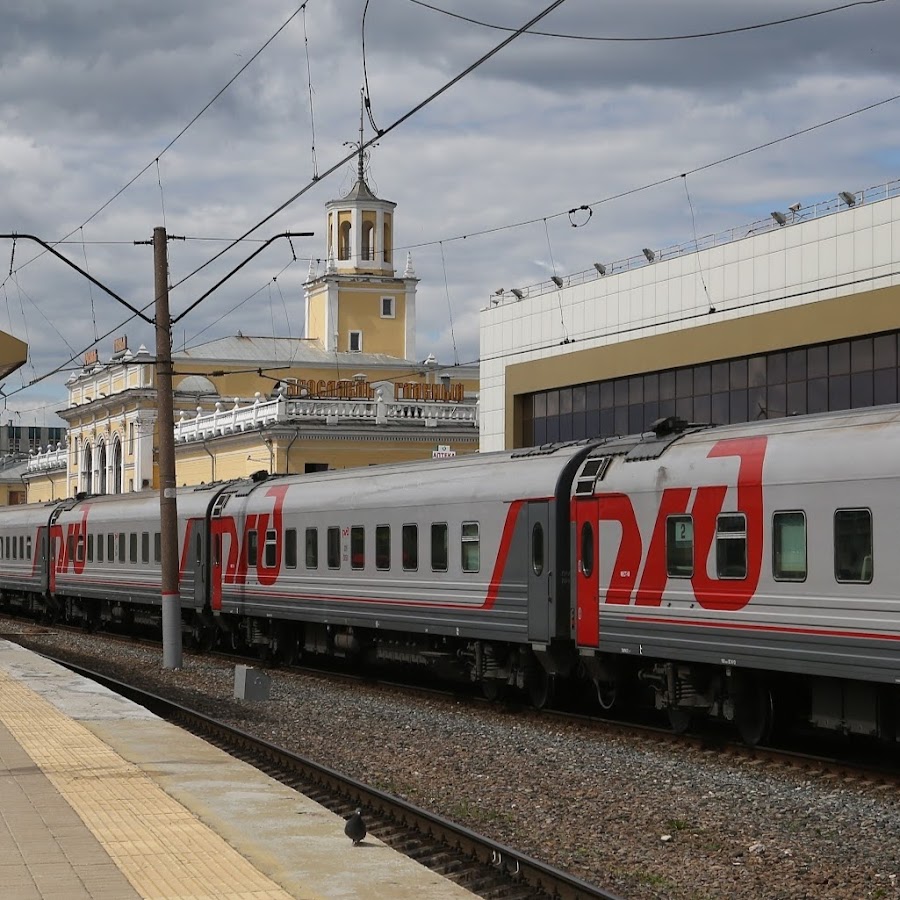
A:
x: 757, y: 703
x: 495, y: 666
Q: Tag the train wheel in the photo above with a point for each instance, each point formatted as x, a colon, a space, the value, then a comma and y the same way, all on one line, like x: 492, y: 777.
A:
x: 539, y: 686
x: 680, y: 720
x: 754, y: 712
x: 607, y: 694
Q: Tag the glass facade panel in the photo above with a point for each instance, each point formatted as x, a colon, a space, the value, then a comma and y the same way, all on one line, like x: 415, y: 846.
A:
x: 861, y: 355
x: 841, y: 375
x: 839, y: 358
x: 701, y: 379
x: 884, y: 351
x: 756, y: 371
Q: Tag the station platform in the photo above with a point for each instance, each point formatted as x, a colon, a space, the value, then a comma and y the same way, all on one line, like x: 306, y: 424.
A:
x: 102, y: 800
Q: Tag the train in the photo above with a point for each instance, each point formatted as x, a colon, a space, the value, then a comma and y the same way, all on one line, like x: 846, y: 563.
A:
x: 748, y: 573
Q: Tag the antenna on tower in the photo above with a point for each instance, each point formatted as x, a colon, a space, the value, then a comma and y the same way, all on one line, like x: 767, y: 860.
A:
x: 362, y: 104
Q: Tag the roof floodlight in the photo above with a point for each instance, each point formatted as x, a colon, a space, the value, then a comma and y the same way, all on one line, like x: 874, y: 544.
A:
x: 649, y: 254
x: 517, y: 293
x: 556, y: 280
x: 600, y: 268
x: 848, y: 198
x: 779, y: 218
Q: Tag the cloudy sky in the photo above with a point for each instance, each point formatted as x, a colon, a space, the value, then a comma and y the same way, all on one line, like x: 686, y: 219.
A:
x: 94, y: 92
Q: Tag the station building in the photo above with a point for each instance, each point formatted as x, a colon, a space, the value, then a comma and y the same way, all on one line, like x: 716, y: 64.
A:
x: 350, y: 393
x: 797, y: 313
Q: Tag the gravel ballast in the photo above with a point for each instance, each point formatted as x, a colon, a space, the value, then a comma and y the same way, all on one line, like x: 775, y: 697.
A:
x: 644, y: 819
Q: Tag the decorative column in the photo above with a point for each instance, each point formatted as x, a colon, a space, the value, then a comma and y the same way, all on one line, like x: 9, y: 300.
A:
x: 145, y: 425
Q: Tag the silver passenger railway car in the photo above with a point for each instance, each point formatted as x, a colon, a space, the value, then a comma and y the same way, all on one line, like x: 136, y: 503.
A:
x: 745, y: 572
x: 741, y: 569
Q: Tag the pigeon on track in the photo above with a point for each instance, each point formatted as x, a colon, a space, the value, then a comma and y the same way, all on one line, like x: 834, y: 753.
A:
x: 355, y: 829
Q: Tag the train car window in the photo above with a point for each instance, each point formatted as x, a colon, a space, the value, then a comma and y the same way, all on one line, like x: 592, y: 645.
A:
x: 587, y: 550
x: 28, y: 546
x: 100, y: 541
x: 2, y: 553
x: 731, y: 545
x: 357, y: 547
x: 470, y: 547
x: 853, y: 545
x: 157, y: 547
x: 312, y: 548
x: 90, y: 548
x: 270, y: 554
x: 789, y: 546
x: 198, y: 548
x: 133, y: 547
x: 334, y: 547
x: 537, y: 548
x: 290, y: 548
x: 14, y: 548
x: 252, y: 547
x: 70, y: 548
x: 121, y: 546
x: 679, y: 546
x: 111, y: 547
x: 410, y: 548
x: 439, y: 547
x: 22, y: 546
x: 145, y: 546
x: 383, y: 547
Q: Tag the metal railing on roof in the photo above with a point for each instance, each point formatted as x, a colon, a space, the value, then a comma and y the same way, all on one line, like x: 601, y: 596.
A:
x: 793, y: 215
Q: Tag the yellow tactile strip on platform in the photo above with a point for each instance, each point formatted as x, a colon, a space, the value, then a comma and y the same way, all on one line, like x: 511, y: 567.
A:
x: 165, y: 851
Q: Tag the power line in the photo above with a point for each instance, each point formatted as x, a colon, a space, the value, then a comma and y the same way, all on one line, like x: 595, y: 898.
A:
x: 635, y: 40
x: 180, y: 134
x: 700, y: 312
x: 658, y: 183
x: 407, y: 115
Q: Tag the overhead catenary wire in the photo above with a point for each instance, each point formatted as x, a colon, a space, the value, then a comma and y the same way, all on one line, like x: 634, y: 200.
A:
x: 659, y: 182
x: 449, y: 307
x: 558, y: 282
x: 312, y: 117
x: 395, y: 124
x: 178, y: 136
x: 90, y: 285
x: 658, y: 38
x: 712, y: 308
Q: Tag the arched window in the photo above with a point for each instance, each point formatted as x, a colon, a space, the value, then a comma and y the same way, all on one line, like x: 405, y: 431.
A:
x: 101, y: 467
x: 117, y: 465
x: 368, y: 241
x: 344, y: 244
x: 87, y: 468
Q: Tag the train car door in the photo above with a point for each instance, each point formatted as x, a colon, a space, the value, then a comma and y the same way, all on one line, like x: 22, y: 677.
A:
x: 541, y: 550
x: 586, y: 542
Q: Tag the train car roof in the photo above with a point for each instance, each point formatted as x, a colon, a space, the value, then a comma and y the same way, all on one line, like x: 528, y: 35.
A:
x: 505, y: 475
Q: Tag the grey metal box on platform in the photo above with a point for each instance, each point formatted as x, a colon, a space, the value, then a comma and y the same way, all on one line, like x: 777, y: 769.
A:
x: 250, y: 684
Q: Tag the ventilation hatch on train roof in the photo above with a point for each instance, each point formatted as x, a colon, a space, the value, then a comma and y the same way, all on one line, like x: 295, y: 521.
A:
x: 592, y: 472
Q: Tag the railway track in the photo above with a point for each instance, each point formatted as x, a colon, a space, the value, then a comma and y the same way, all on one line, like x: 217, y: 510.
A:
x: 484, y: 867
x: 836, y: 766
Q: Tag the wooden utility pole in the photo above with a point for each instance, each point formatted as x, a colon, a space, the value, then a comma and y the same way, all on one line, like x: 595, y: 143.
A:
x: 168, y: 509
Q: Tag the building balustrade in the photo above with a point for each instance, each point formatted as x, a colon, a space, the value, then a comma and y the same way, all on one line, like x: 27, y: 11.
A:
x: 280, y: 410
x: 50, y: 458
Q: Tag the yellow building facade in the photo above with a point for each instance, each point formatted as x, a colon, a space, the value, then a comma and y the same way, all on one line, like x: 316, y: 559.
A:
x: 349, y: 393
